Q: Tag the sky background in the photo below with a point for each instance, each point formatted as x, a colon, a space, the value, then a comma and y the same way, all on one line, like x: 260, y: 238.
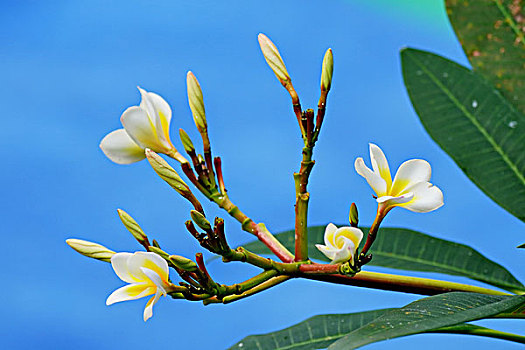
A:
x: 70, y: 68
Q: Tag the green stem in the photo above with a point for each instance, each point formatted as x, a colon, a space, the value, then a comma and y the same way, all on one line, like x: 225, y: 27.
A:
x: 302, y: 198
x: 400, y: 283
x: 243, y: 255
x: 480, y: 331
x: 259, y: 288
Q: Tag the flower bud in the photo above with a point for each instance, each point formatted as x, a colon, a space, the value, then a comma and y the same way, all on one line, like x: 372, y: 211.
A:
x: 183, y: 263
x: 186, y: 141
x: 273, y: 58
x: 196, y: 102
x: 133, y: 227
x: 353, y: 217
x: 327, y: 71
x: 90, y: 249
x: 159, y: 251
x: 167, y: 173
x: 200, y: 220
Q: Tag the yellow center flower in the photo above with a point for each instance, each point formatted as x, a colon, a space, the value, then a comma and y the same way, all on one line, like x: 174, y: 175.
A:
x: 410, y: 189
x: 340, y: 243
x: 146, y: 272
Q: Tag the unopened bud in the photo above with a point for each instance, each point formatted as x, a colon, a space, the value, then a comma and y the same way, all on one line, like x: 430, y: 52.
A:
x: 167, y: 173
x: 132, y: 226
x: 186, y: 141
x: 327, y: 70
x: 159, y: 251
x: 353, y: 217
x: 200, y: 220
x: 273, y: 58
x: 200, y: 158
x: 90, y: 249
x: 196, y: 102
x: 183, y: 263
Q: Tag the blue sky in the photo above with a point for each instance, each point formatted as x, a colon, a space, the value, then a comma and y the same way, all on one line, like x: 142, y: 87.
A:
x: 70, y: 68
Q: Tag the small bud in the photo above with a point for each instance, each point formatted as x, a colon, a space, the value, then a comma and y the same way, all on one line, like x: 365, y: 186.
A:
x: 353, y: 217
x: 167, y: 173
x: 159, y: 251
x: 200, y: 220
x: 186, y: 141
x: 273, y: 58
x: 327, y: 71
x: 90, y: 249
x: 183, y: 263
x: 132, y: 226
x: 200, y: 158
x: 196, y: 102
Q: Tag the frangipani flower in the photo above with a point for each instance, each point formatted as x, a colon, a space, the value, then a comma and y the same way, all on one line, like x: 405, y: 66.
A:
x: 340, y: 243
x: 147, y: 274
x: 410, y: 188
x: 145, y: 126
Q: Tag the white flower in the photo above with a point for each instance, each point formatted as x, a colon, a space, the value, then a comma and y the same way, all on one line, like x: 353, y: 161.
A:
x: 145, y: 126
x: 410, y: 188
x: 340, y: 243
x: 146, y: 272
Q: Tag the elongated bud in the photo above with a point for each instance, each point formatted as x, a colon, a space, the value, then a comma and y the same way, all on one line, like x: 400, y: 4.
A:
x: 327, y: 71
x: 90, y: 249
x: 200, y: 220
x: 133, y: 227
x: 273, y: 58
x: 186, y: 141
x: 196, y: 102
x: 183, y: 263
x: 167, y: 173
x: 353, y: 217
x: 160, y: 252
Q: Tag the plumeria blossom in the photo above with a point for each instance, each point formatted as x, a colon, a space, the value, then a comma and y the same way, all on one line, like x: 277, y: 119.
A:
x: 147, y: 274
x: 340, y: 243
x: 145, y: 126
x: 410, y: 188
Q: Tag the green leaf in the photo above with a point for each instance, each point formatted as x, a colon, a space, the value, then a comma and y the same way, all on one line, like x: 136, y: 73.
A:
x: 410, y: 250
x: 321, y: 331
x: 314, y: 333
x: 522, y: 246
x: 428, y: 314
x: 492, y: 37
x: 472, y: 122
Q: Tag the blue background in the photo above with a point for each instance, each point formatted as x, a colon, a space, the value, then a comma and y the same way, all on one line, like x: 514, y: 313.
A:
x: 69, y: 69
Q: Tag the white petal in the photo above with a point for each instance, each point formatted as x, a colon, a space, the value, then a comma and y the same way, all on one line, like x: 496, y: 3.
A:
x: 375, y: 181
x: 150, y: 261
x: 120, y: 263
x: 164, y: 112
x: 138, y: 125
x: 380, y: 164
x: 352, y: 233
x: 427, y: 197
x: 329, y: 252
x: 159, y: 113
x: 148, y: 310
x: 345, y: 253
x: 120, y: 147
x: 389, y: 201
x: 155, y: 279
x: 409, y: 173
x: 130, y: 292
x: 329, y: 231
